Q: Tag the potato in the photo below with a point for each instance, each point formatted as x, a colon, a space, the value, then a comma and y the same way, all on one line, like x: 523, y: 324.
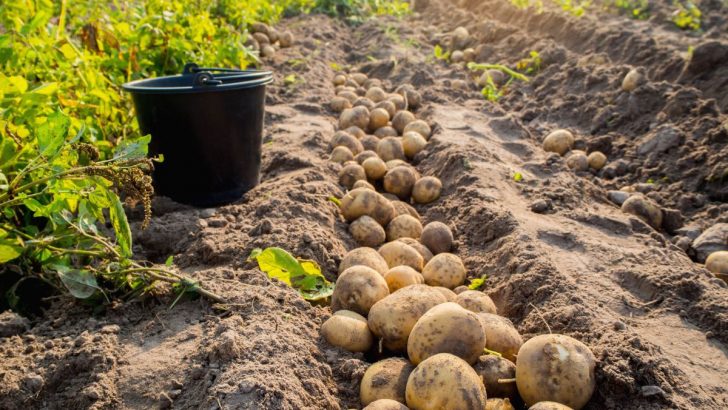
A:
x: 460, y: 38
x: 339, y: 79
x: 410, y: 95
x: 339, y: 104
x: 577, y: 160
x: 717, y: 263
x: 476, y: 301
x: 273, y: 35
x: 376, y: 94
x: 632, y: 80
x: 492, y: 368
x: 361, y: 91
x: 401, y: 276
x: 348, y: 330
x: 372, y: 82
x: 549, y: 405
x: 286, y: 39
x: 419, y: 127
x: 259, y: 27
x: 496, y: 76
x: 498, y: 404
x: 370, y: 142
x: 363, y: 184
x: 267, y: 51
x: 469, y: 55
x: 413, y: 143
x: 446, y: 328
x: 375, y: 168
x: 500, y: 335
x: 401, y: 119
x: 399, y: 253
x: 555, y: 368
x: 388, y: 106
x: 596, y: 160
x: 644, y: 208
x: 351, y: 83
x: 378, y: 118
x: 422, y: 249
x: 457, y: 56
x: 386, y: 132
x: 262, y: 39
x: 460, y: 289
x: 358, y: 116
x: 385, y: 379
x: 449, y: 295
x: 403, y: 208
x: 360, y: 78
x: 341, y: 88
x: 357, y: 289
x: 357, y: 132
x: 399, y: 181
x: 341, y: 154
x: 386, y: 404
x: 351, y: 173
x: 391, y: 164
x: 393, y: 317
x: 349, y: 96
x: 559, y: 141
x: 343, y: 138
x: 426, y: 190
x: 444, y: 269
x: 366, y: 257
x: 364, y: 102
x: 444, y: 381
x: 362, y: 201
x: 437, y: 237
x: 367, y: 232
x: 365, y: 155
x: 390, y: 148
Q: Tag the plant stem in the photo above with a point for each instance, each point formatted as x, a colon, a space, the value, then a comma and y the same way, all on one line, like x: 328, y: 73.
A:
x: 514, y: 74
x: 164, y: 275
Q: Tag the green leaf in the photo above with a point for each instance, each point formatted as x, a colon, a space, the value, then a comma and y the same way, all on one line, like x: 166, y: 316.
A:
x: 518, y: 177
x: 121, y: 225
x: 80, y: 283
x: 52, y: 134
x: 9, y: 250
x: 335, y: 200
x: 133, y: 149
x: 169, y: 261
x: 303, y: 275
x: 4, y: 184
x: 477, y: 283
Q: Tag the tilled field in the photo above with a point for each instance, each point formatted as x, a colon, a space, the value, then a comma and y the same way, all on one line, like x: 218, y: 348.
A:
x: 656, y: 321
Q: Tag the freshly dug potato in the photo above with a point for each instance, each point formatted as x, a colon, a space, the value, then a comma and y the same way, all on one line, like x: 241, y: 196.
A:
x: 422, y: 249
x: 376, y: 94
x: 350, y: 174
x: 398, y: 101
x: 457, y: 56
x: 259, y: 27
x: 342, y: 88
x: 549, y: 405
x: 366, y: 257
x: 357, y: 132
x: 644, y: 208
x: 348, y: 330
x: 349, y: 96
x: 717, y: 262
x: 399, y: 181
x: 399, y: 253
x: 403, y: 226
x: 559, y: 141
x: 437, y: 237
x: 360, y: 78
x: 386, y: 404
x: 444, y: 381
x: 363, y: 184
x: 632, y: 80
x: 362, y: 201
x: 388, y: 106
x: 370, y: 142
x: 386, y: 132
x: 372, y: 82
x: 351, y: 83
x: 390, y: 148
x: 341, y: 154
x: 426, y: 190
x: 403, y: 208
x: 596, y: 160
x: 378, y: 118
x: 500, y: 335
x: 460, y: 38
x: 577, y: 160
x: 367, y: 232
x: 413, y: 143
x: 419, y: 127
x: 391, y: 164
x: 286, y: 39
x: 385, y: 379
x: 444, y: 269
x: 357, y: 289
x: 476, y: 301
x: 498, y: 404
x: 365, y: 155
x: 273, y: 35
x: 393, y: 317
x: 364, y: 102
x: 375, y: 168
x: 555, y: 368
x: 492, y: 368
x: 401, y: 276
x: 267, y: 50
x: 411, y: 96
x: 446, y: 328
x: 339, y: 104
x: 469, y: 55
x: 358, y: 116
x: 449, y: 295
x: 343, y: 138
x: 262, y: 39
x: 339, y: 79
x: 460, y: 289
x: 401, y: 119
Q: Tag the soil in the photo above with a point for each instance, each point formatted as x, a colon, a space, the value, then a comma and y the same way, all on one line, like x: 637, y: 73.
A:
x: 656, y: 320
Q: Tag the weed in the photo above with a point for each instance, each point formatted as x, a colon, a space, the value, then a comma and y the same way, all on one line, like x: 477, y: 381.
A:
x: 575, y: 8
x: 636, y: 9
x: 687, y: 15
x: 490, y: 90
x: 530, y: 64
x: 441, y: 54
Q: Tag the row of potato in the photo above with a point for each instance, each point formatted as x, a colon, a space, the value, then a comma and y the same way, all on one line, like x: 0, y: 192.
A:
x: 267, y: 40
x: 408, y: 298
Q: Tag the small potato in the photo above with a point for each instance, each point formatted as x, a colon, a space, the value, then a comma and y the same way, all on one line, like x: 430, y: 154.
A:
x: 390, y: 148
x: 348, y: 330
x: 364, y: 102
x: 476, y: 301
x: 339, y: 104
x: 366, y: 257
x: 717, y: 263
x: 500, y: 335
x: 413, y: 143
x: 360, y: 78
x: 644, y: 208
x: 341, y: 154
x: 375, y: 168
x: 401, y: 276
x: 376, y: 94
x: 357, y: 289
x: 398, y: 253
x: 426, y: 190
x: 403, y: 208
x: 363, y: 184
x: 267, y: 51
x: 386, y: 404
x: 596, y: 160
x: 358, y: 116
x: 372, y: 82
x: 549, y: 405
x: 498, y: 404
x: 577, y: 160
x: 361, y: 91
x: 398, y: 100
x: 393, y: 317
x: 385, y: 379
x: 386, y: 132
x: 633, y: 79
x: 437, y: 237
x: 460, y: 38
x: 286, y: 39
x: 343, y: 88
x: 350, y: 174
x: 559, y: 141
x: 363, y: 201
x: 388, y: 106
x: 401, y: 119
x: 419, y: 127
x: 449, y: 295
x: 262, y: 39
x: 492, y: 368
x: 457, y: 56
x: 370, y: 142
x: 444, y: 269
x: 343, y: 138
x: 339, y: 79
x: 367, y: 232
x: 349, y: 96
x: 445, y: 381
x: 357, y: 132
x: 365, y: 155
x: 555, y: 368
x: 422, y: 249
x: 378, y: 118
x: 399, y: 181
x: 403, y: 226
x: 469, y: 55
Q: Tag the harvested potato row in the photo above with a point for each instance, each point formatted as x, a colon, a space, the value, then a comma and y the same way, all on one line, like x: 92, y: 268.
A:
x: 267, y: 40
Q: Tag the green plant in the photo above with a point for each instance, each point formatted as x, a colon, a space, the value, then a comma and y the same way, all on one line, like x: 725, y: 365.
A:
x: 490, y: 90
x: 477, y: 283
x: 575, y: 8
x: 636, y: 9
x: 523, y: 4
x: 530, y: 64
x: 302, y: 275
x: 687, y: 15
x: 357, y: 11
x: 440, y: 54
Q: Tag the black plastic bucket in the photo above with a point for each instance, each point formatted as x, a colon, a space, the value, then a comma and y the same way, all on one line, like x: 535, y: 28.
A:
x: 208, y: 127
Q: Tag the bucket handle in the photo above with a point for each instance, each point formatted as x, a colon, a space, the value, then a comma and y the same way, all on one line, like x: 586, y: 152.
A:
x: 192, y: 68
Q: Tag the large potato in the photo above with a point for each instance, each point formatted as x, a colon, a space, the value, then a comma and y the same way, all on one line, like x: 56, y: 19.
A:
x: 398, y: 101
x: 493, y: 368
x: 363, y: 184
x: 500, y: 335
x: 717, y: 263
x: 343, y: 138
x: 444, y: 381
x: 386, y: 404
x: 645, y: 209
x: 367, y: 232
x: 422, y: 249
x: 351, y: 173
x: 426, y: 190
x: 358, y: 289
x: 413, y: 143
x: 393, y: 317
x: 476, y: 301
x: 444, y: 269
x: 399, y: 181
x: 390, y: 148
x: 399, y: 253
x: 357, y: 116
x: 401, y: 119
x: 365, y: 102
x: 559, y: 141
x: 385, y: 379
x: 360, y: 78
x: 437, y: 237
x: 555, y: 368
x: 446, y: 328
x: 339, y: 104
x: 348, y: 330
x: 419, y: 127
x: 363, y: 201
x: 364, y: 256
x: 376, y: 94
x: 375, y: 168
x: 412, y: 96
x: 341, y: 154
x: 403, y: 226
x: 401, y: 276
x: 349, y: 95
x: 378, y: 118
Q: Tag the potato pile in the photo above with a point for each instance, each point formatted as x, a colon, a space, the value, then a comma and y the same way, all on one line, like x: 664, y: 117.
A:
x: 267, y: 40
x: 562, y: 142
x: 458, y: 42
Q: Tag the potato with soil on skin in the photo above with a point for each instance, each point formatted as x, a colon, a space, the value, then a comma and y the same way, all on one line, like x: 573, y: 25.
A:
x: 365, y: 155
x: 559, y: 141
x: 446, y: 270
x: 717, y: 263
x: 403, y: 226
x: 449, y: 295
x: 419, y: 127
x: 403, y: 208
x: 413, y: 143
x: 357, y: 289
x: 262, y: 39
x: 339, y: 104
x: 437, y: 237
x: 349, y: 96
x: 363, y: 184
x: 390, y: 148
x: 399, y: 181
x: 460, y: 38
x: 367, y: 232
x: 357, y: 132
x: 457, y: 56
x: 410, y: 95
x: 375, y: 168
x: 386, y: 404
x: 350, y: 174
x: 555, y: 368
x: 493, y: 368
x: 267, y: 51
x: 469, y: 55
x: 372, y: 82
x: 364, y: 102
x: 259, y: 27
x: 358, y: 116
x: 341, y: 154
x: 549, y: 405
x: 343, y: 138
x: 445, y: 381
x: 399, y: 253
x: 385, y: 379
x: 596, y: 160
x: 376, y: 94
x: 426, y: 190
x: 386, y: 132
x: 370, y: 142
x: 476, y: 301
x: 360, y: 78
x: 286, y: 39
x: 368, y: 257
x: 348, y: 330
x: 393, y: 317
x: 362, y: 201
x: 378, y: 118
x: 460, y: 289
x: 398, y: 100
x: 387, y: 106
x: 500, y: 335
x: 645, y: 209
x: 391, y: 164
x: 498, y: 404
x: 422, y: 249
x: 577, y: 160
x: 632, y: 80
x: 401, y: 276
x: 401, y: 119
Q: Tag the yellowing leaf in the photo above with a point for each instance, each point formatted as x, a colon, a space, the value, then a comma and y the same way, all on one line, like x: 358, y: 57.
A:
x: 68, y: 52
x: 303, y: 275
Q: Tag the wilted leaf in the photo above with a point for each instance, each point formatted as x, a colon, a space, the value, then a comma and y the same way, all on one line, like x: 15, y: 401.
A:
x: 303, y: 275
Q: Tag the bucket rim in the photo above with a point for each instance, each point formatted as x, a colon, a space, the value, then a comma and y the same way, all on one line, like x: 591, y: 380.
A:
x: 257, y: 78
